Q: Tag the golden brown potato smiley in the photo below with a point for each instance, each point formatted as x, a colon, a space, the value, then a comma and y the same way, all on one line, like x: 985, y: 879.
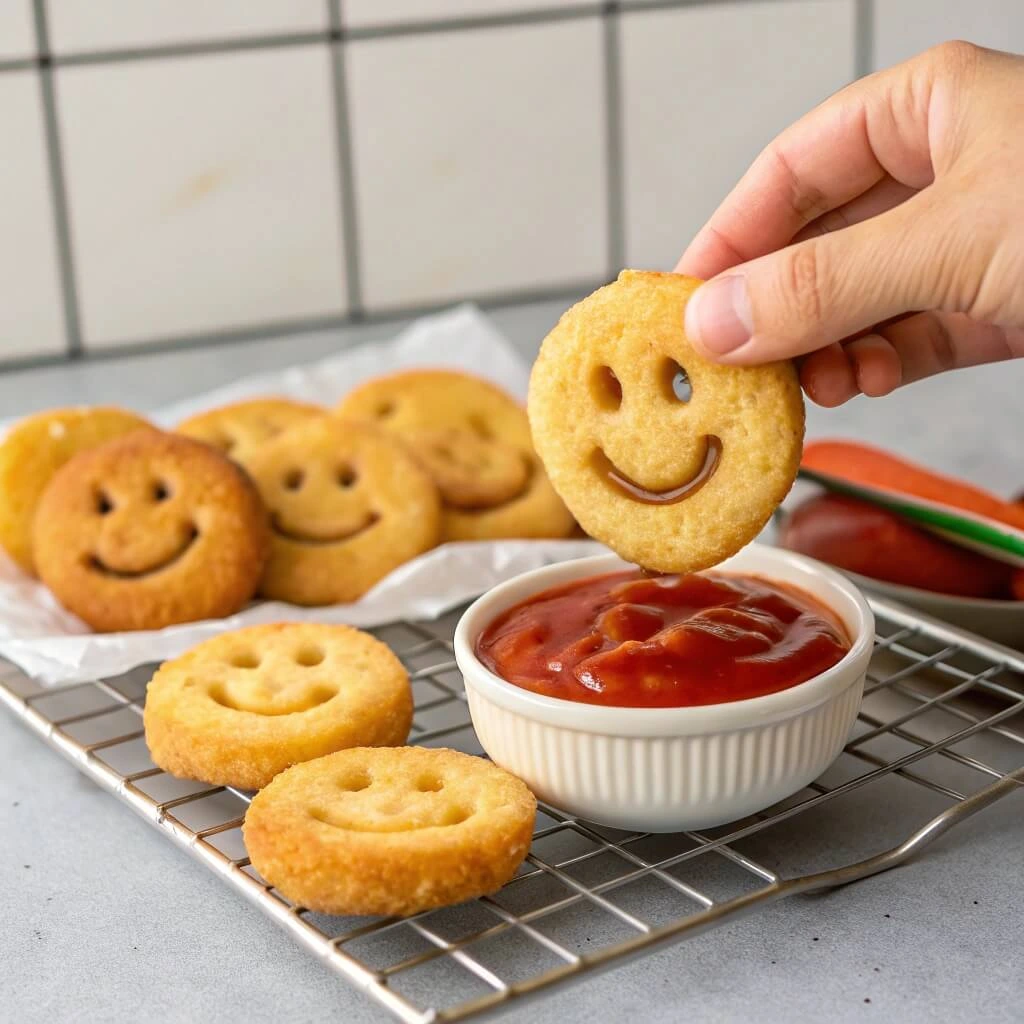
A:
x: 390, y: 830
x: 672, y: 461
x: 241, y: 428
x: 242, y: 706
x: 474, y: 440
x: 149, y: 530
x: 471, y: 472
x: 347, y: 505
x: 34, y: 449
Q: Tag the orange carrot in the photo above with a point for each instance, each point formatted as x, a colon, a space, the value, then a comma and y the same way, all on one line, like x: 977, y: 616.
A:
x: 872, y: 467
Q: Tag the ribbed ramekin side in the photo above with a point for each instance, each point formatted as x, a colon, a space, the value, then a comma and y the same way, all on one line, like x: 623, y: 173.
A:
x: 666, y: 782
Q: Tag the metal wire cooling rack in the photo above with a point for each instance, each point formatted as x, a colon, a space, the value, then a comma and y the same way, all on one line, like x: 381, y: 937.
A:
x: 943, y: 711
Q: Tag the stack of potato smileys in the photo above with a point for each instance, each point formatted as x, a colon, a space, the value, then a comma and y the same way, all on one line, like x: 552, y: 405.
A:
x: 134, y: 528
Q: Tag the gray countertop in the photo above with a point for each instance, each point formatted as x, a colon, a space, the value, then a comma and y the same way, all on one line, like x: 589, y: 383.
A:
x: 104, y: 920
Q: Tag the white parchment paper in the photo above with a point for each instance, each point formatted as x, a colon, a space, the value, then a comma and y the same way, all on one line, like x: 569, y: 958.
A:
x: 57, y: 648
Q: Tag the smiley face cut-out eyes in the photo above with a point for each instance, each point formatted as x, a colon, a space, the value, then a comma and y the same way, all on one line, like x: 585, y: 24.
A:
x: 677, y: 381
x: 606, y: 388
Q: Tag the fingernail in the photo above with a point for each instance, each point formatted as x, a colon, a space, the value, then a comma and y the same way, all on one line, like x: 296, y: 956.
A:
x: 718, y: 316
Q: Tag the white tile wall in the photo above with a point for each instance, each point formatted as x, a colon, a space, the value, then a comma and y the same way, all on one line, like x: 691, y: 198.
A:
x: 704, y: 88
x: 362, y: 13
x: 31, y: 309
x: 480, y: 162
x: 17, y: 32
x: 84, y: 25
x: 905, y: 28
x: 203, y: 192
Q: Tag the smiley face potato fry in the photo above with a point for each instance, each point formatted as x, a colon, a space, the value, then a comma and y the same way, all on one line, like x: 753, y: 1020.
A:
x: 674, y: 462
x: 241, y: 707
x: 347, y: 505
x: 390, y: 830
x: 149, y: 530
x: 242, y: 428
x: 474, y: 440
x: 34, y: 449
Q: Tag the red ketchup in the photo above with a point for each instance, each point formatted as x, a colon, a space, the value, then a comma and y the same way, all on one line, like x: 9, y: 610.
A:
x: 630, y: 640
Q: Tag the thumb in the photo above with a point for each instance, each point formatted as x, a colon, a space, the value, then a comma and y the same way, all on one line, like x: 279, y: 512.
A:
x: 816, y: 292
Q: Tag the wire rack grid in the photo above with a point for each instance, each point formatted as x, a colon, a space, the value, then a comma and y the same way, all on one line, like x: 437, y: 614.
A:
x: 943, y: 712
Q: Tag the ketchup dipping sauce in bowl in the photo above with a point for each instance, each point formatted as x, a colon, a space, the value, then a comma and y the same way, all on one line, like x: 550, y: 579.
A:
x: 661, y: 703
x: 630, y: 640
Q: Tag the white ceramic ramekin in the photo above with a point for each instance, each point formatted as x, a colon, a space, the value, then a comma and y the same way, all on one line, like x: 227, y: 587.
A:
x: 667, y: 769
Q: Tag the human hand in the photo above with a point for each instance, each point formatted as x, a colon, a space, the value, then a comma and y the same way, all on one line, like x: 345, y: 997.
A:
x: 901, y: 193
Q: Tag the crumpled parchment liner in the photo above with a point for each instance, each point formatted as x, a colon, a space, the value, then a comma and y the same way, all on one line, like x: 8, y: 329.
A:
x: 56, y: 648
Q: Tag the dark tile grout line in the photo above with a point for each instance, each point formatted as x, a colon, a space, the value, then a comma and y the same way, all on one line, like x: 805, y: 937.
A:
x: 665, y: 5
x: 349, y: 226
x: 197, y: 48
x: 614, y: 141
x: 610, y: 13
x: 58, y: 192
x: 336, y: 33
x: 564, y: 290
x: 469, y: 23
x: 19, y: 64
x: 864, y: 37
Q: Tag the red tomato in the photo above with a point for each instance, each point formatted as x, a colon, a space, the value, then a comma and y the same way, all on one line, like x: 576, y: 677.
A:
x: 875, y: 542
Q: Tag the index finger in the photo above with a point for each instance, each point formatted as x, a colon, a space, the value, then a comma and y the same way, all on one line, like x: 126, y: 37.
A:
x: 875, y: 127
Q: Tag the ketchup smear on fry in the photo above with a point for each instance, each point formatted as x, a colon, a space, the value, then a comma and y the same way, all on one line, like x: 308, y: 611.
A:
x: 627, y: 639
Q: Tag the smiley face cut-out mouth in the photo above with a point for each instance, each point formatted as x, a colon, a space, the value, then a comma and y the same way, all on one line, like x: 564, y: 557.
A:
x: 97, y: 564
x: 297, y: 537
x: 670, y: 495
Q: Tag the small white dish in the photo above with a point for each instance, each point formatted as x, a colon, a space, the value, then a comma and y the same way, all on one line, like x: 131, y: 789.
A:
x: 1001, y: 621
x: 998, y: 620
x: 668, y: 769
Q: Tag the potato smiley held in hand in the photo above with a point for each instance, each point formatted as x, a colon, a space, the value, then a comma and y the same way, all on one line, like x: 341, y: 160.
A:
x: 148, y: 530
x: 672, y: 461
x: 474, y: 440
x: 347, y: 505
